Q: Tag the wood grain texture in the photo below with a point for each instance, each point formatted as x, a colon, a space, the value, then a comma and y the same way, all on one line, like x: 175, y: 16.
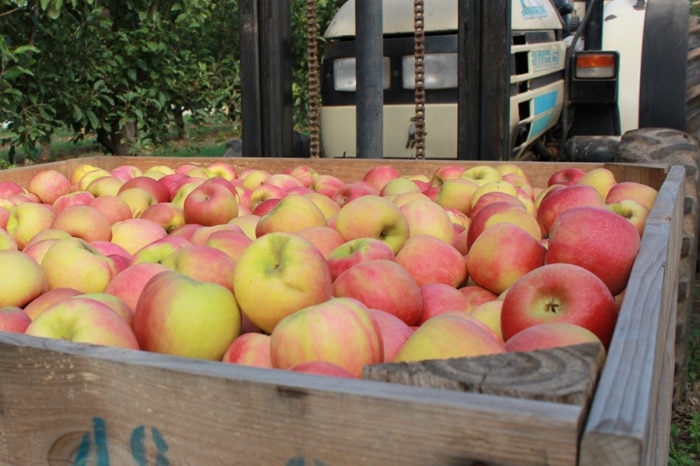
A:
x: 56, y: 396
x: 629, y: 420
x: 562, y: 375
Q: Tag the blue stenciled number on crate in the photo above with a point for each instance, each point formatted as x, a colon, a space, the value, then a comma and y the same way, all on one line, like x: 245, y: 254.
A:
x: 301, y: 461
x: 98, y: 437
x: 138, y: 449
x: 99, y: 431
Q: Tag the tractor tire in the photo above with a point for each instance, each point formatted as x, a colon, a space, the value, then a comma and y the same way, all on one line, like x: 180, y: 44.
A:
x: 670, y: 146
x: 692, y: 110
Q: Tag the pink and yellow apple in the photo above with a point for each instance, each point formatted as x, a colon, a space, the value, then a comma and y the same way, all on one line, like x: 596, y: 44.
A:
x: 37, y: 306
x: 249, y: 349
x: 449, y: 336
x: 48, y: 185
x: 340, y: 331
x: 373, y: 217
x: 503, y: 253
x: 291, y: 214
x: 74, y: 263
x: 83, y: 221
x: 83, y: 321
x: 135, y: 233
x: 632, y: 191
x: 181, y: 316
x: 425, y: 217
x: 28, y: 219
x: 278, y: 274
x: 203, y: 263
x: 21, y: 279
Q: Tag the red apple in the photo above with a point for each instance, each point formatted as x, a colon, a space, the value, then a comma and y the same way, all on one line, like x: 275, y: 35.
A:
x: 157, y: 189
x: 128, y: 284
x: 550, y: 335
x: 566, y: 176
x: 210, y: 204
x: 249, y: 349
x: 394, y: 332
x: 476, y: 295
x: 380, y: 175
x: 13, y: 319
x: 561, y: 199
x: 598, y: 240
x: 559, y: 293
x: 322, y: 368
x: 355, y: 251
x: 439, y: 298
x: 382, y: 284
x: 503, y: 253
x: 431, y: 260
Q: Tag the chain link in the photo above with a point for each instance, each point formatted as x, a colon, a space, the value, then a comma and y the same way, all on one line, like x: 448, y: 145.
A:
x: 419, y: 56
x: 313, y: 78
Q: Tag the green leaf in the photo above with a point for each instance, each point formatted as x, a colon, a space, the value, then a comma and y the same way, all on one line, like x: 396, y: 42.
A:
x: 94, y: 122
x: 25, y: 48
x: 16, y: 71
x: 12, y: 91
x: 131, y: 73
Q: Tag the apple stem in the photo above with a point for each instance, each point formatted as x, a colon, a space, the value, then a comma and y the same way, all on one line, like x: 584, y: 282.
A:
x: 552, y: 307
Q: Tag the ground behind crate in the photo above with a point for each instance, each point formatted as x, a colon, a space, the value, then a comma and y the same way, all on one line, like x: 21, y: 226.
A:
x: 686, y: 413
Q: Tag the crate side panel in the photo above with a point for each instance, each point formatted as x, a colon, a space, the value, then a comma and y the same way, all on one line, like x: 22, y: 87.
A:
x: 632, y: 397
x: 69, y: 403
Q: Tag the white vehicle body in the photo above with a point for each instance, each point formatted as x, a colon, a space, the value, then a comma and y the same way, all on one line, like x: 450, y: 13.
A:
x: 537, y: 79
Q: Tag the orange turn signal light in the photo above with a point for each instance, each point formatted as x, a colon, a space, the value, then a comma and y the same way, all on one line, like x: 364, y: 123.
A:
x: 596, y: 65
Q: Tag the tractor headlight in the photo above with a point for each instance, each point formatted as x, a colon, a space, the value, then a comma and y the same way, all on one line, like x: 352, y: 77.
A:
x: 344, y: 79
x: 440, y: 71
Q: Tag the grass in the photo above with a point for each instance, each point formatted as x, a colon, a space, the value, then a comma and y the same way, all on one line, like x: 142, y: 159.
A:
x: 207, y: 140
x: 685, y: 423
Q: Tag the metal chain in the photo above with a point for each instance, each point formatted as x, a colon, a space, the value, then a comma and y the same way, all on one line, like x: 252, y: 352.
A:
x: 419, y: 56
x: 313, y: 78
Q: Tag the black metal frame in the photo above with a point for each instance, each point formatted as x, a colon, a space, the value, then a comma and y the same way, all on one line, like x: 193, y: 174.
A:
x: 266, y: 77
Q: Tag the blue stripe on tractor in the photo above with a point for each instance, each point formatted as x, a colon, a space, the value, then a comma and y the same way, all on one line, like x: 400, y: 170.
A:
x: 545, y: 102
x: 542, y: 103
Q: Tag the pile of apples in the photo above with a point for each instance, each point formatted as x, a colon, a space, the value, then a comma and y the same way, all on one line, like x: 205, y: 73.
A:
x: 309, y: 272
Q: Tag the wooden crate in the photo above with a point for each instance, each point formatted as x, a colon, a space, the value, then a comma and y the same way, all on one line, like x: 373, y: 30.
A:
x: 65, y: 403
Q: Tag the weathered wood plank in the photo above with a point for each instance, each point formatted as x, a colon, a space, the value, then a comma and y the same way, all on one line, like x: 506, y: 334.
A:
x: 56, y: 396
x: 561, y: 375
x: 629, y: 420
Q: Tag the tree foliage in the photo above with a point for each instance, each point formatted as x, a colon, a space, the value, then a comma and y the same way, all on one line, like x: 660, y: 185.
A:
x: 126, y: 70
